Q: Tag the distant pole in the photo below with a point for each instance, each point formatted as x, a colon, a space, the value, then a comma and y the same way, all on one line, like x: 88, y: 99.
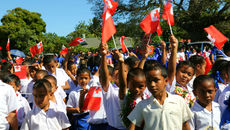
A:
x: 114, y: 42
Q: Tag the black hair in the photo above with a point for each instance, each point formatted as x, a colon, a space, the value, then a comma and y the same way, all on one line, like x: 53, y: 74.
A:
x: 94, y: 61
x: 226, y: 47
x: 155, y: 65
x: 69, y: 64
x: 185, y: 63
x: 83, y: 70
x: 135, y: 73
x: 6, y: 66
x: 132, y: 61
x: 48, y: 58
x: 12, y: 78
x: 52, y: 78
x: 197, y: 60
x: 201, y: 78
x: 221, y: 66
x: 43, y: 83
x: 4, y: 73
x: 42, y: 72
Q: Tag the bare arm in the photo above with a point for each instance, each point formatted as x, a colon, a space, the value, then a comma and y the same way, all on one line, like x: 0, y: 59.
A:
x: 104, y: 73
x: 66, y: 87
x: 172, y: 59
x: 144, y: 56
x: 186, y: 126
x: 131, y: 126
x: 73, y: 110
x: 12, y: 119
x: 163, y: 51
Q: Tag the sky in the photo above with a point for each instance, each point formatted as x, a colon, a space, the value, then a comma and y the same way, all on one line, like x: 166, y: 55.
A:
x: 60, y: 16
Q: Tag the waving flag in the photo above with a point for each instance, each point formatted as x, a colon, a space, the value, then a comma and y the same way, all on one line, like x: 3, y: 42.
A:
x: 168, y: 13
x: 19, y: 60
x: 77, y: 41
x: 215, y: 36
x: 108, y: 27
x: 208, y: 63
x: 8, y: 45
x: 37, y: 49
x: 93, y: 99
x: 123, y: 46
x: 150, y: 23
x: 159, y: 30
x: 64, y: 50
x: 20, y: 71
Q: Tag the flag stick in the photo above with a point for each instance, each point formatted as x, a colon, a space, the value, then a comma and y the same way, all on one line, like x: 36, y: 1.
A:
x: 159, y: 37
x: 170, y: 27
x: 114, y: 42
x: 149, y: 38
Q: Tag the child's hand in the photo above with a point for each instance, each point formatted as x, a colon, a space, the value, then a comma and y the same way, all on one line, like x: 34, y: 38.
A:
x: 163, y: 44
x: 173, y: 41
x: 118, y: 56
x: 146, y: 48
x: 103, y: 49
x: 77, y: 109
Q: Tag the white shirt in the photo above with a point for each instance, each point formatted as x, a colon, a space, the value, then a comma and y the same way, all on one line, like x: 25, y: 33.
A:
x: 74, y: 98
x: 53, y: 119
x: 97, y: 117
x: 24, y: 85
x: 223, y: 98
x: 219, y: 91
x: 60, y: 101
x: 29, y: 95
x: 61, y: 77
x: 72, y: 86
x: 23, y: 108
x: 203, y: 118
x: 112, y: 107
x: 8, y: 103
x: 169, y: 116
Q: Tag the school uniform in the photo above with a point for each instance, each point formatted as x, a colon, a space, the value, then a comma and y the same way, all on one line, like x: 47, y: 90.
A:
x: 204, y: 119
x: 61, y: 76
x: 169, y: 116
x: 219, y: 91
x: 23, y: 108
x: 60, y: 101
x: 24, y: 84
x: 98, y: 119
x: 225, y: 119
x: 53, y: 119
x: 224, y: 99
x: 80, y: 119
x: 8, y: 103
x: 29, y: 91
x: 72, y: 86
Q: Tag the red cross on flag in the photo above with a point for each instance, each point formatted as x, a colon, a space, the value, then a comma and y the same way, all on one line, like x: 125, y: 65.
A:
x: 93, y: 99
x: 215, y: 36
x: 150, y: 23
x: 64, y: 50
x: 168, y: 13
x: 108, y: 27
x: 8, y: 45
x: 20, y: 71
x: 37, y: 49
x: 77, y: 41
x: 123, y: 46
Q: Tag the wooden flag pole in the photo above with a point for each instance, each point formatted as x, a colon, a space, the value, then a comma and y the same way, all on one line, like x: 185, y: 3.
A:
x: 159, y: 37
x: 114, y: 42
x: 170, y: 27
x: 149, y: 38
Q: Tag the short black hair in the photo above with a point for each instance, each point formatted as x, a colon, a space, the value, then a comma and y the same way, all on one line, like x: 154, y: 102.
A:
x: 12, y: 78
x: 201, y: 78
x: 43, y: 83
x: 48, y: 58
x: 131, y: 61
x: 185, y: 63
x: 69, y: 64
x: 4, y: 73
x: 154, y: 65
x: 135, y: 72
x: 221, y: 66
x: 52, y: 78
x: 226, y: 47
x: 197, y: 60
x: 83, y: 70
x: 42, y: 72
x: 6, y: 66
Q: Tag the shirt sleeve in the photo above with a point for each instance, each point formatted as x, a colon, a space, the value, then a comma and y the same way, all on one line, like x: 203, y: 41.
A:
x: 12, y: 100
x: 187, y: 113
x: 73, y: 100
x: 25, y: 124
x: 136, y: 116
x: 64, y: 121
x: 192, y: 123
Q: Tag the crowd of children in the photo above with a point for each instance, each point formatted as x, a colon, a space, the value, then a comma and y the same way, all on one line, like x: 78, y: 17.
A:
x: 111, y: 90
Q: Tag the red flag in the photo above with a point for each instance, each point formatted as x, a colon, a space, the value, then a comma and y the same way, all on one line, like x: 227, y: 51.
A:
x: 93, y: 99
x: 168, y: 13
x: 108, y: 27
x: 64, y: 50
x: 19, y: 60
x: 111, y: 6
x: 20, y: 71
x: 123, y: 46
x: 37, y: 49
x: 8, y: 45
x: 77, y: 41
x: 150, y: 22
x: 208, y: 64
x: 215, y: 36
x: 159, y: 30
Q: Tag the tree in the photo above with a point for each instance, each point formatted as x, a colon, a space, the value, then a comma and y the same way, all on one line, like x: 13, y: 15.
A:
x: 24, y: 28
x: 191, y: 16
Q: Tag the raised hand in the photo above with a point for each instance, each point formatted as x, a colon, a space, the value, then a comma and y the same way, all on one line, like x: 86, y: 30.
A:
x: 173, y: 41
x: 117, y: 55
x: 103, y: 49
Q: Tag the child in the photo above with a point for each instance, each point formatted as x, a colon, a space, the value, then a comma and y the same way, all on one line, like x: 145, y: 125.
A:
x: 225, y: 120
x: 76, y: 100
x: 28, y: 79
x: 23, y: 106
x: 221, y: 77
x: 162, y: 110
x: 207, y: 113
x: 55, y: 97
x: 46, y: 115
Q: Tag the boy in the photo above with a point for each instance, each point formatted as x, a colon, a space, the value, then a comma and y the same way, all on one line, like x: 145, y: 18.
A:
x: 46, y: 115
x: 207, y: 114
x: 162, y: 110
